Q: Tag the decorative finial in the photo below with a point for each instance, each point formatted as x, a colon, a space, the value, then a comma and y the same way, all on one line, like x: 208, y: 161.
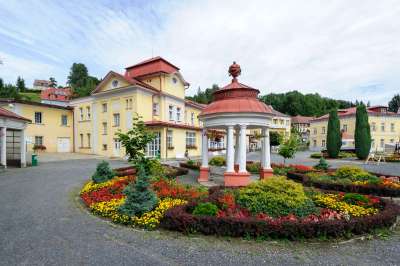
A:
x: 234, y: 70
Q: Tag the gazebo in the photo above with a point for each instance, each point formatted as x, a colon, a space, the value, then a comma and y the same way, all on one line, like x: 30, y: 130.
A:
x: 235, y: 109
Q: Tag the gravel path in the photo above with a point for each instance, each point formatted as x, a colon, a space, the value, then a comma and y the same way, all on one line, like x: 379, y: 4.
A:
x: 42, y: 223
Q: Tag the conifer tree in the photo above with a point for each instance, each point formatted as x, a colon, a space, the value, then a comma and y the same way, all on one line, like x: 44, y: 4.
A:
x: 362, y: 134
x: 333, y: 138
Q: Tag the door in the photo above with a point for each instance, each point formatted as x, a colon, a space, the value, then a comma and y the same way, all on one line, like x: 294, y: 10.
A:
x: 117, y: 148
x: 63, y: 145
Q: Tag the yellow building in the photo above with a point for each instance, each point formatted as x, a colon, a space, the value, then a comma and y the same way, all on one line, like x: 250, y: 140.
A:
x: 51, y: 125
x: 385, y: 128
x: 155, y: 90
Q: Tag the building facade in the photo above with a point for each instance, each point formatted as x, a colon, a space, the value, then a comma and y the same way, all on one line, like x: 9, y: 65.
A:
x: 385, y: 128
x: 50, y: 126
x: 56, y: 96
x: 153, y: 89
x: 301, y: 124
x: 40, y: 84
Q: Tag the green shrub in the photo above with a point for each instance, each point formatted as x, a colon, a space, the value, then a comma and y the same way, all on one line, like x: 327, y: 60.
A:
x: 282, y: 171
x: 322, y: 165
x: 316, y: 155
x: 344, y: 154
x: 155, y: 168
x: 206, y: 208
x: 217, y: 161
x: 354, y: 198
x: 254, y: 167
x: 190, y: 162
x: 353, y: 173
x: 276, y: 197
x: 103, y: 172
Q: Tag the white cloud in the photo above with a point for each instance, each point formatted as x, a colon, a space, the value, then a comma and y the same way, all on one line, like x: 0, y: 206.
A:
x: 335, y: 48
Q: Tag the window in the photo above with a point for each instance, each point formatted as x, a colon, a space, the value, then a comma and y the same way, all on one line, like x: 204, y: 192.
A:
x: 155, y: 109
x: 174, y: 80
x: 81, y: 135
x: 382, y: 143
x: 373, y: 126
x: 315, y: 143
x: 178, y: 114
x: 169, y: 139
x: 190, y: 139
x: 88, y: 112
x: 104, y: 128
x: 281, y: 121
x: 38, y: 117
x: 344, y: 128
x: 38, y: 140
x: 392, y: 127
x: 64, y: 120
x: 104, y: 147
x: 383, y: 127
x: 323, y: 130
x: 129, y: 104
x: 116, y: 120
x: 315, y: 131
x: 114, y: 83
x: 88, y: 140
x: 104, y: 107
x: 153, y: 148
x: 287, y: 122
x: 192, y: 119
x: 323, y: 143
x: 81, y: 113
x: 171, y: 112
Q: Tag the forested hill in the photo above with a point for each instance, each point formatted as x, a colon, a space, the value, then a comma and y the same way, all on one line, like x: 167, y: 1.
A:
x: 291, y: 103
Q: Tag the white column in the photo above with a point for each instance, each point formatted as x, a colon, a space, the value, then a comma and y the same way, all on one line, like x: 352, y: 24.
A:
x: 23, y: 148
x: 3, y: 146
x: 242, y: 149
x: 204, y: 148
x: 266, y: 149
x: 237, y: 146
x: 230, y: 151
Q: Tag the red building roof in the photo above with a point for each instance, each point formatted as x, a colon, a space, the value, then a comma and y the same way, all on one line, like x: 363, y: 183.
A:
x: 151, y: 66
x: 373, y: 110
x: 56, y: 94
x: 12, y: 115
x: 299, y: 119
x: 236, y: 98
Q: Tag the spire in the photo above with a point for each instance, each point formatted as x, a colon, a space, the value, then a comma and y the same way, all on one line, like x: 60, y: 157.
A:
x: 234, y: 71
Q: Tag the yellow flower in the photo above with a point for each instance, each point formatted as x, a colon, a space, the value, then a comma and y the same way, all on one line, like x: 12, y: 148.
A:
x: 332, y: 201
x: 91, y: 186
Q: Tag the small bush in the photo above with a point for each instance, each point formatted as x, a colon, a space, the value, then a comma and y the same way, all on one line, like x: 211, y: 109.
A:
x: 103, y: 173
x: 354, y: 198
x: 276, y: 197
x: 190, y: 162
x: 316, y: 155
x: 322, y: 165
x: 155, y: 168
x: 353, y: 173
x: 253, y: 167
x: 217, y: 161
x: 207, y: 208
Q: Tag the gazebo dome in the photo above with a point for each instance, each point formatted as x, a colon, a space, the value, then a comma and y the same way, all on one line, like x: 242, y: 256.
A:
x: 236, y: 98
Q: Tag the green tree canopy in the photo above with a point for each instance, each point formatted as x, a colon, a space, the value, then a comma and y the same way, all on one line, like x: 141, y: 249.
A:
x: 81, y: 83
x: 8, y: 90
x: 394, y: 103
x: 289, y: 147
x: 362, y: 134
x: 204, y: 97
x: 53, y: 82
x: 20, y: 84
x: 333, y: 138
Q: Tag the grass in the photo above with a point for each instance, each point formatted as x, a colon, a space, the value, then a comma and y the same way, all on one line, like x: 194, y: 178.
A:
x: 31, y: 96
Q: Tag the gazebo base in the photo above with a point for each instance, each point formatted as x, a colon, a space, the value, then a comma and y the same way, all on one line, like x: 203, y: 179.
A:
x: 204, y: 173
x: 236, y: 179
x: 265, y: 173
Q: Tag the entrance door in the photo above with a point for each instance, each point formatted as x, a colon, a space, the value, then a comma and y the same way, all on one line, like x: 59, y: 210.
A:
x: 117, y: 148
x: 63, y: 145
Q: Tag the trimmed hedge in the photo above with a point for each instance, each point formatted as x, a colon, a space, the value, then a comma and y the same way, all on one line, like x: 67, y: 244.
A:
x: 362, y: 189
x: 190, y: 166
x: 180, y: 219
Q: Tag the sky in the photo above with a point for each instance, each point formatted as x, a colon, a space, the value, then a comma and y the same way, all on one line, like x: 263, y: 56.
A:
x: 342, y: 49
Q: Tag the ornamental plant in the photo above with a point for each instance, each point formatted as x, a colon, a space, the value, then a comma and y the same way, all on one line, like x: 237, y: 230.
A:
x: 322, y: 164
x: 206, y: 208
x: 289, y: 147
x: 217, y: 161
x: 333, y: 138
x: 139, y: 197
x: 362, y: 134
x: 103, y: 173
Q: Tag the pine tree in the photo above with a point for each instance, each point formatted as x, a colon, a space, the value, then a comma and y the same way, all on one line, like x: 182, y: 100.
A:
x: 139, y: 197
x: 362, y: 134
x: 20, y: 84
x: 333, y: 139
x: 103, y: 173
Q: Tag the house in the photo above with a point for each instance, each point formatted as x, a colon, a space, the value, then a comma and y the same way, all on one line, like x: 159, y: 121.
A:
x: 301, y: 124
x: 155, y: 90
x: 50, y: 125
x: 385, y: 128
x: 56, y: 96
x: 40, y: 84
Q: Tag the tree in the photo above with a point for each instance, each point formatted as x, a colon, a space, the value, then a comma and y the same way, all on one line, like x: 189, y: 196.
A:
x: 20, y: 84
x: 333, y: 138
x: 274, y: 138
x: 8, y: 91
x: 362, y: 134
x: 103, y: 172
x: 135, y: 141
x: 394, y: 103
x: 139, y: 197
x: 53, y: 82
x: 81, y: 83
x: 204, y: 97
x: 289, y: 148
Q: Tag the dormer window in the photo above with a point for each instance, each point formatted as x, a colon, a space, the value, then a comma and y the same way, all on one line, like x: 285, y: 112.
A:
x: 174, y: 80
x: 114, y: 83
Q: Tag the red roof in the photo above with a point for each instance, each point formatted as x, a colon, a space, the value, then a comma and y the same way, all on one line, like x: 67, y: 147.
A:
x: 151, y: 66
x: 373, y: 110
x: 56, y: 94
x: 299, y: 119
x: 236, y: 98
x: 9, y: 114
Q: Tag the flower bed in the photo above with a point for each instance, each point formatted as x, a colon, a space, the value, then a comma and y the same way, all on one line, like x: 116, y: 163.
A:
x: 335, y: 215
x: 350, y: 179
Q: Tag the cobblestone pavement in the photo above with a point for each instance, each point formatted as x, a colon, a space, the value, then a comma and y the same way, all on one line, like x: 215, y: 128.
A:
x: 43, y: 223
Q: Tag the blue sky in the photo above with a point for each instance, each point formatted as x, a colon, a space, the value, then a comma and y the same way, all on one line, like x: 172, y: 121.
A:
x: 342, y: 49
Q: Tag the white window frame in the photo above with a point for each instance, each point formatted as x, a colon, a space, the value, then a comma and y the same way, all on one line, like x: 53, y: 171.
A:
x: 190, y: 139
x: 38, y: 140
x: 88, y: 135
x: 81, y: 113
x: 171, y: 112
x: 156, y: 109
x: 170, y: 143
x: 383, y: 126
x: 38, y: 117
x: 117, y: 119
x: 192, y: 118
x: 88, y: 114
x: 64, y: 118
x: 104, y: 107
x: 154, y: 147
x: 104, y: 128
x: 178, y: 114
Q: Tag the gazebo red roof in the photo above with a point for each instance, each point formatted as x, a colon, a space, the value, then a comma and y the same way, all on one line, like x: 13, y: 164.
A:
x: 236, y: 98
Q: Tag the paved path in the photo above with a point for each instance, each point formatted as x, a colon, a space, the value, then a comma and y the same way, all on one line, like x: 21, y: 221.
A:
x: 42, y: 223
